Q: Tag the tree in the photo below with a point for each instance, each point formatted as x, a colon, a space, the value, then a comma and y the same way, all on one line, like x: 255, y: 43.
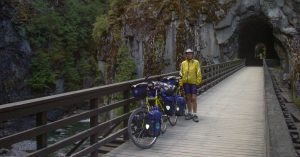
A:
x: 41, y: 78
x: 125, y: 65
x: 63, y: 32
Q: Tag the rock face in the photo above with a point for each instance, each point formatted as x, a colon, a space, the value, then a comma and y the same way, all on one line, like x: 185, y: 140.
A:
x: 231, y: 30
x: 157, y: 34
x: 281, y: 16
x: 15, y: 54
x: 215, y: 40
x: 160, y: 31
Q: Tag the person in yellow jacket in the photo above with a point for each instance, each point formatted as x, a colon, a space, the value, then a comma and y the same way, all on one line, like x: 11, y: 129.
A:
x: 190, y: 73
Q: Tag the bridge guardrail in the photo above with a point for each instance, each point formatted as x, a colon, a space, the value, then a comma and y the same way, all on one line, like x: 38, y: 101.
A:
x: 278, y: 140
x: 39, y: 107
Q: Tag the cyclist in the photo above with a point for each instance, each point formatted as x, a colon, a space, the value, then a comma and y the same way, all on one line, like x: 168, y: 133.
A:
x: 190, y: 73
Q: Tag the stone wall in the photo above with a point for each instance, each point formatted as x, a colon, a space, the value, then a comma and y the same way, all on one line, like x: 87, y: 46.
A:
x: 217, y: 40
x: 15, y: 55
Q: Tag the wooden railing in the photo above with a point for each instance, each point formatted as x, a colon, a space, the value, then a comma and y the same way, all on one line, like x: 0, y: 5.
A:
x: 215, y: 73
x: 40, y: 106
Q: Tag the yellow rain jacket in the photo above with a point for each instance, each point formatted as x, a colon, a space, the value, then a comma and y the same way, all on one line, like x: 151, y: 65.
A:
x: 190, y: 72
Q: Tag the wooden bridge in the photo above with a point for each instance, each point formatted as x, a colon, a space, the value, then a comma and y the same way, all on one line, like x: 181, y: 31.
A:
x: 231, y: 123
x: 233, y: 119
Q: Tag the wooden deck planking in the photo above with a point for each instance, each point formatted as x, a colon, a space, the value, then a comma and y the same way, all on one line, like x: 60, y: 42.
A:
x: 231, y: 123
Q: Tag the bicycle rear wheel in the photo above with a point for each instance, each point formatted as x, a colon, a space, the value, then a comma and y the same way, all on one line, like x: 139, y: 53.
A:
x: 137, y: 129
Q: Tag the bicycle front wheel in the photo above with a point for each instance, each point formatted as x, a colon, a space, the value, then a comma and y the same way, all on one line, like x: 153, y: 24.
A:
x: 163, y: 123
x: 137, y: 129
x: 172, y: 119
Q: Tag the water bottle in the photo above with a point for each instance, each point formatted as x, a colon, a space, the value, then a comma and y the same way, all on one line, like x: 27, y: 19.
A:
x: 157, y: 126
x: 157, y: 116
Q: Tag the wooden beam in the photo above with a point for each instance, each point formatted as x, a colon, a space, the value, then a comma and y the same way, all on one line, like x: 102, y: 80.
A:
x: 93, y: 123
x: 28, y: 134
x: 41, y: 140
x: 77, y: 137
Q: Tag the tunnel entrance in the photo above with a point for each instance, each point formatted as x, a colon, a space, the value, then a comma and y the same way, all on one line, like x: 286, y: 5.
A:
x: 256, y: 41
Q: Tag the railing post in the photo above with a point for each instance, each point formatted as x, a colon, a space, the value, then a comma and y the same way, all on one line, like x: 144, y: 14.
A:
x: 212, y: 71
x: 94, y: 122
x: 218, y: 67
x: 209, y: 71
x: 41, y: 140
x: 216, y: 70
x: 223, y: 67
x: 126, y: 95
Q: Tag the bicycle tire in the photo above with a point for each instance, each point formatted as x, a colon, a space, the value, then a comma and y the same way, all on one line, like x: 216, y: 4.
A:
x: 136, y: 120
x: 163, y: 124
x: 172, y: 120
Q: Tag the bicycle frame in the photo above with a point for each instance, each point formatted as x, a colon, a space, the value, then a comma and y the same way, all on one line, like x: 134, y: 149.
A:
x: 155, y: 98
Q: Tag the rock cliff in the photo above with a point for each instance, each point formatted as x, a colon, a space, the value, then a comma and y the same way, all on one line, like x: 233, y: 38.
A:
x: 157, y: 32
x: 15, y: 56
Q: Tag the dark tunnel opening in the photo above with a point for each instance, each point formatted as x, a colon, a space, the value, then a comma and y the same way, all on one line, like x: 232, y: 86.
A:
x: 255, y: 34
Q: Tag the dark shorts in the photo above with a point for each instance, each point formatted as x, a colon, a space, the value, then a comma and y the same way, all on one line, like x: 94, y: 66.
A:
x: 190, y: 88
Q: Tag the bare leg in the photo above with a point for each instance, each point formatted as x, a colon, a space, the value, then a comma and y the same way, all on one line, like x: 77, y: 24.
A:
x: 189, y: 102
x: 194, y: 102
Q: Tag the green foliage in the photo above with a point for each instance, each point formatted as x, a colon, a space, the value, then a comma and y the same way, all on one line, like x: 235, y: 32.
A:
x: 116, y: 3
x: 126, y: 66
x: 100, y: 26
x: 42, y: 77
x: 71, y: 75
x: 63, y: 32
x: 41, y: 28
